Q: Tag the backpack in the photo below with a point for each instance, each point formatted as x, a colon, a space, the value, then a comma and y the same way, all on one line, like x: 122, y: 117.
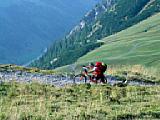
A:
x: 98, y: 64
x: 101, y: 66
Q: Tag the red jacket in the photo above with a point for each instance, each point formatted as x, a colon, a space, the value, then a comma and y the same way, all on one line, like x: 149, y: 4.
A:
x: 98, y: 71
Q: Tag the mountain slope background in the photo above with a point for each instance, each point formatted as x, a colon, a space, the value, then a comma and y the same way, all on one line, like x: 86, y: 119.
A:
x: 105, y: 19
x: 138, y: 44
x: 27, y: 27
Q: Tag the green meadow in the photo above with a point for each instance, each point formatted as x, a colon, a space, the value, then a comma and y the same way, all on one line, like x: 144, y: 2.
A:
x: 139, y: 44
x: 78, y: 102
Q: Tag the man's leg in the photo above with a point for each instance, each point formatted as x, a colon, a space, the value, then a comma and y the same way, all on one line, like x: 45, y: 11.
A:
x: 102, y: 78
x: 93, y: 79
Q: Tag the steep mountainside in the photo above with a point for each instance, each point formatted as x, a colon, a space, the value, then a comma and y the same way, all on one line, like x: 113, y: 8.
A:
x: 27, y: 27
x: 105, y: 19
x: 136, y: 45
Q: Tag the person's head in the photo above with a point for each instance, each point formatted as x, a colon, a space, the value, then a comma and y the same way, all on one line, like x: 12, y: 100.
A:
x: 83, y: 66
x: 91, y: 64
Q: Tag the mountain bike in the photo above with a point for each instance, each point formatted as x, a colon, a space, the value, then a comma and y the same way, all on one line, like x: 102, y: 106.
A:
x: 85, y: 77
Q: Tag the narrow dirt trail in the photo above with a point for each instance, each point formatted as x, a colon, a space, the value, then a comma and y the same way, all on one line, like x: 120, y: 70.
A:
x: 61, y: 81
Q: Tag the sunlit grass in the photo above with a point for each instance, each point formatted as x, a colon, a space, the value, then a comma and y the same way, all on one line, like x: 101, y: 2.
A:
x: 138, y: 44
x: 41, y: 102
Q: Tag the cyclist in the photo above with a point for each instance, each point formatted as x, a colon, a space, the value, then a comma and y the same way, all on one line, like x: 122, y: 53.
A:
x: 84, y: 72
x: 97, y: 73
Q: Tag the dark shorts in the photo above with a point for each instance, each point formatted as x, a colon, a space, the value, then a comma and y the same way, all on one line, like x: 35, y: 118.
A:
x: 99, y: 77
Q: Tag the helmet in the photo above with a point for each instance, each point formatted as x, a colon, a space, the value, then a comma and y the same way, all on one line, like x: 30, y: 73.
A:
x: 98, y: 64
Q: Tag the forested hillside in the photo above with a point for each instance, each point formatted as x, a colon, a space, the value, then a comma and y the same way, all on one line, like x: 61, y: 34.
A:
x: 105, y: 19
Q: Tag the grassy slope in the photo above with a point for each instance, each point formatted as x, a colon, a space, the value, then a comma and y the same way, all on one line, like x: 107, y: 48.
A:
x: 82, y: 102
x: 137, y: 45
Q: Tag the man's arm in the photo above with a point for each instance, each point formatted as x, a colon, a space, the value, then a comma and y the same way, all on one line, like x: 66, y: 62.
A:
x: 91, y: 71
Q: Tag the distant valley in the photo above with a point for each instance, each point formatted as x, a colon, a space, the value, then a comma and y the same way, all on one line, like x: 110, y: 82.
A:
x: 28, y: 27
